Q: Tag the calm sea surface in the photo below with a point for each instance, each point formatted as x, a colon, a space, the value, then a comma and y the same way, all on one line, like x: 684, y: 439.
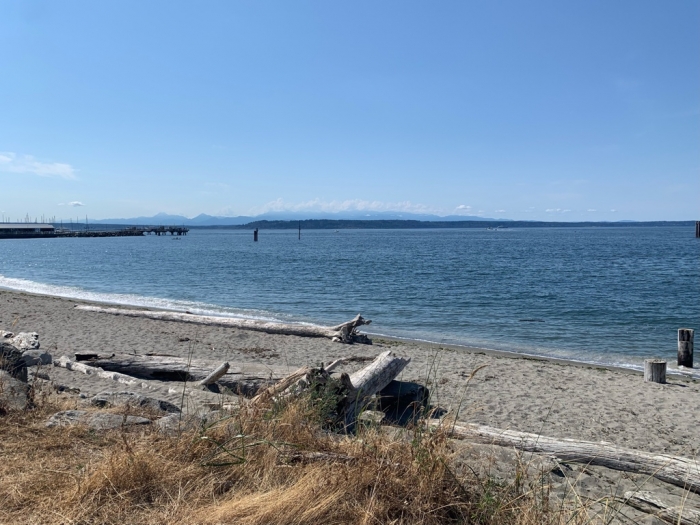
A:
x: 612, y: 295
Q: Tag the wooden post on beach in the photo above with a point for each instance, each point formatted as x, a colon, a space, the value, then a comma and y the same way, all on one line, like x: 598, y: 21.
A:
x: 655, y: 370
x: 685, y: 347
x: 255, y: 235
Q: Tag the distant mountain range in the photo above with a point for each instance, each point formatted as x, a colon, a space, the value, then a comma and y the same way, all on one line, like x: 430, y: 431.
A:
x: 163, y: 219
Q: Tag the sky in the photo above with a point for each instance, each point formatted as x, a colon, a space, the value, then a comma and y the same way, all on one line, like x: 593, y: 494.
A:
x: 542, y: 110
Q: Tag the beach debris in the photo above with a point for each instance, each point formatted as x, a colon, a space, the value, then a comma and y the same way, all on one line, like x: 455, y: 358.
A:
x: 12, y: 362
x: 116, y: 399
x: 14, y: 394
x: 22, y: 340
x: 356, y: 388
x: 94, y: 420
x: 37, y: 357
x: 342, y: 333
x: 675, y: 470
x: 215, y: 375
x: 650, y: 503
x: 300, y: 378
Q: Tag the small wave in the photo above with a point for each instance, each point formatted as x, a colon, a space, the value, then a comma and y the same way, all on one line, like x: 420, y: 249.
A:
x: 158, y: 303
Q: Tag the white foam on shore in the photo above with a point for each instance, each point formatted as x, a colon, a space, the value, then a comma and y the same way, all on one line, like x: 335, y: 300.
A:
x: 157, y: 303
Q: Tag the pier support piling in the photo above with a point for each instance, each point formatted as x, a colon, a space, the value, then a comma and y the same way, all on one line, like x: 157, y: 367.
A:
x: 255, y: 235
x: 685, y: 347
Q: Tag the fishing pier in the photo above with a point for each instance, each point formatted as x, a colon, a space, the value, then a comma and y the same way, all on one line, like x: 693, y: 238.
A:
x: 45, y: 231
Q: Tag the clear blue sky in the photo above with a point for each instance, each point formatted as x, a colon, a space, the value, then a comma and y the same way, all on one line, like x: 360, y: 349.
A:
x: 555, y: 110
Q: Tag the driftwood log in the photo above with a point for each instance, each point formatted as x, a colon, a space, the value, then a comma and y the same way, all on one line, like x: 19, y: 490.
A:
x: 65, y: 362
x: 215, y: 375
x: 245, y: 380
x: 651, y: 504
x: 343, y: 333
x: 675, y: 470
x: 298, y: 377
x: 368, y: 381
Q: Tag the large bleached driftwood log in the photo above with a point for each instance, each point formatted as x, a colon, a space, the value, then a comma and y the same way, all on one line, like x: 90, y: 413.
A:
x: 368, y: 381
x: 343, y: 333
x: 675, y: 470
x: 245, y: 380
x: 649, y: 503
x: 65, y: 362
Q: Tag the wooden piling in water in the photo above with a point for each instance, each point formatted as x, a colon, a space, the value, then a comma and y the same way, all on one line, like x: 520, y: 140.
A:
x: 654, y: 370
x: 255, y: 235
x: 697, y: 229
x: 685, y: 347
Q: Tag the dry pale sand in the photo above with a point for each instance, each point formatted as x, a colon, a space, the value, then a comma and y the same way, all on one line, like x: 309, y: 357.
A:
x: 548, y: 397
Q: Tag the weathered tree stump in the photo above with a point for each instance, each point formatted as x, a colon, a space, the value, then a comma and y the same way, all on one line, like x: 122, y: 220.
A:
x: 685, y: 347
x: 655, y: 370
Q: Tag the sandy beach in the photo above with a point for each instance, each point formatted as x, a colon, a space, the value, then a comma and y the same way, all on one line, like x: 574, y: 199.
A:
x: 554, y: 398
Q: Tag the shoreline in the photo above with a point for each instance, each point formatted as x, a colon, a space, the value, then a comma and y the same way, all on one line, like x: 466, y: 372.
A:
x: 629, y: 368
x: 503, y: 390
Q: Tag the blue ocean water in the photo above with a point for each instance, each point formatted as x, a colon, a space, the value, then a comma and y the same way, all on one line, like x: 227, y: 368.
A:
x: 610, y: 295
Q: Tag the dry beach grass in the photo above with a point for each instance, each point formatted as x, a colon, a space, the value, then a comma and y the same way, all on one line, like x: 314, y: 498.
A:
x: 274, y: 465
